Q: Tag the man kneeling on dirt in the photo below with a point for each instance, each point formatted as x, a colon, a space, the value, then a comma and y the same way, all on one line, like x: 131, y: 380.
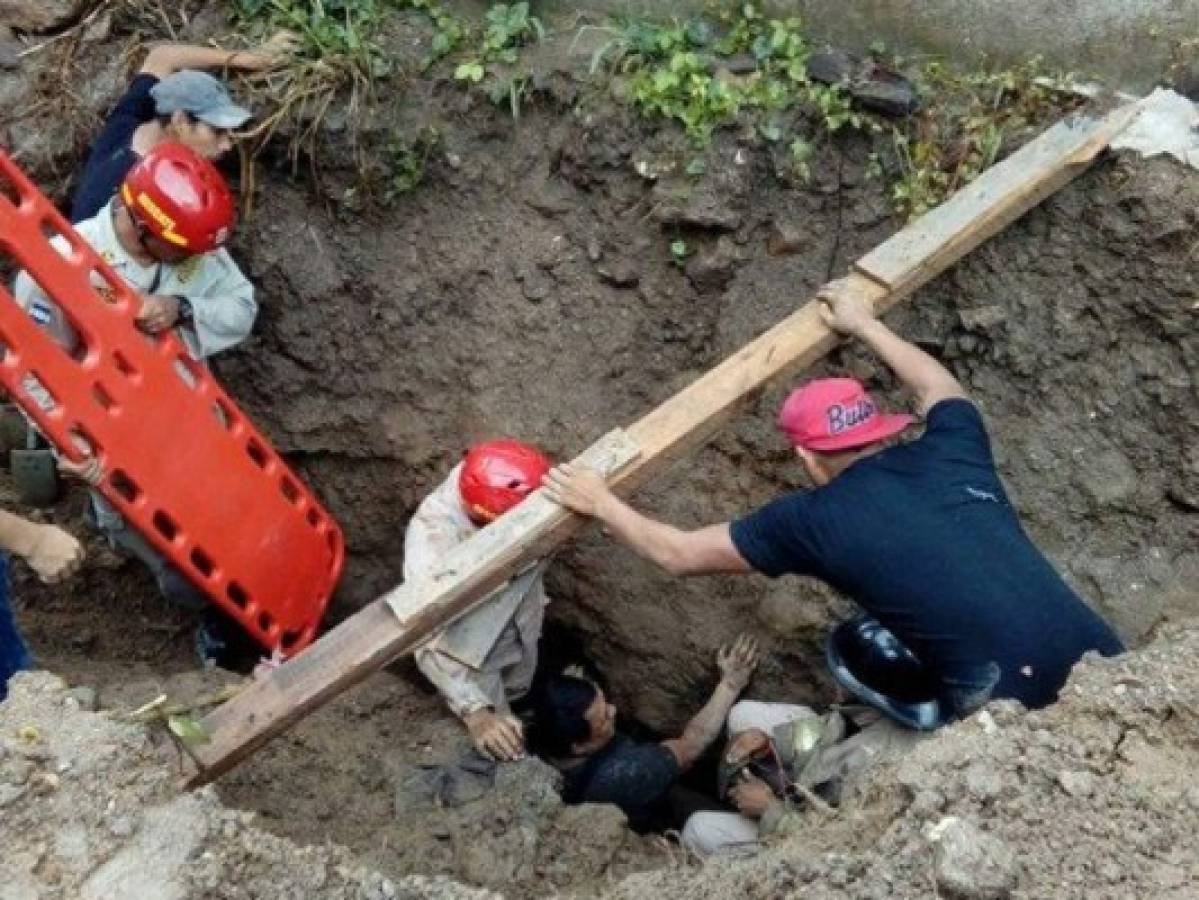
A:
x: 577, y: 729
x: 485, y: 661
x: 921, y: 534
x: 163, y: 234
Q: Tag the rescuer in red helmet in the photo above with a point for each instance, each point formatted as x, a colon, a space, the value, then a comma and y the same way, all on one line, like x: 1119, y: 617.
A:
x: 163, y: 234
x: 485, y: 661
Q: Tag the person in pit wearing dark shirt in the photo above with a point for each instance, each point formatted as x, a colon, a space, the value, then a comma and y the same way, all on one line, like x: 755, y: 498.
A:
x: 170, y: 100
x: 922, y: 534
x: 576, y: 728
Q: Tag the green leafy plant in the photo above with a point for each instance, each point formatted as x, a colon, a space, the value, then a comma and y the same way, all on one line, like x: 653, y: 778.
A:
x: 448, y: 31
x: 512, y: 91
x: 684, y: 90
x: 679, y: 251
x: 977, y: 115
x: 472, y: 71
x: 338, y: 57
x: 799, y: 151
x: 675, y: 72
x: 408, y: 159
x: 507, y: 28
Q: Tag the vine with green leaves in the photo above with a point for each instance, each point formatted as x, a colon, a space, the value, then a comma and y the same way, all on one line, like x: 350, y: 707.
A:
x: 679, y: 71
x: 977, y: 117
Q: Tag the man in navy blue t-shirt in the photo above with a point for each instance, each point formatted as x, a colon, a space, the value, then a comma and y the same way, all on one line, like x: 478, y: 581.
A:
x: 921, y: 534
x: 169, y: 100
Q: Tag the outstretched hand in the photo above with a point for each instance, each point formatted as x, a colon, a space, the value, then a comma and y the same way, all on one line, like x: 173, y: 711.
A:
x: 54, y: 554
x: 579, y: 489
x: 844, y: 309
x: 738, y: 660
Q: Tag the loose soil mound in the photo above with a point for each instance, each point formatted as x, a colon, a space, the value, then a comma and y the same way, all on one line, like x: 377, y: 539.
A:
x: 92, y: 810
x: 1094, y: 797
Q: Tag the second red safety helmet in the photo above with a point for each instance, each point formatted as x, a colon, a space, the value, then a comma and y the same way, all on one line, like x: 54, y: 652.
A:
x: 497, y: 475
x: 180, y: 198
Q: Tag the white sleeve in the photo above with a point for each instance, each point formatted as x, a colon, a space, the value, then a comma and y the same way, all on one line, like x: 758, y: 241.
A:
x: 432, y: 533
x: 458, y: 684
x: 224, y: 310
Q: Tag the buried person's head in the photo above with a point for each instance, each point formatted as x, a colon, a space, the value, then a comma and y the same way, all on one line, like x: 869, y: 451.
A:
x: 832, y: 422
x: 574, y: 718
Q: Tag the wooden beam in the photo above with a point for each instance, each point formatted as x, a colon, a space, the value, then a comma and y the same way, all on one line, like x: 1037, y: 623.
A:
x: 398, y: 622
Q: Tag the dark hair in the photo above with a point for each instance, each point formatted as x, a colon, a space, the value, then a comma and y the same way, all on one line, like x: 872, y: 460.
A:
x: 562, y: 714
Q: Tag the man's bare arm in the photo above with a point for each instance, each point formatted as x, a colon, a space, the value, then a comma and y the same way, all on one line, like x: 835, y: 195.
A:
x: 737, y: 664
x: 846, y: 312
x: 166, y: 59
x: 704, y: 551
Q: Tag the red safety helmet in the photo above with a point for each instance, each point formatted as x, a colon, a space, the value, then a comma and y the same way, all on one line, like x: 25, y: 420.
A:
x: 180, y: 198
x: 497, y: 475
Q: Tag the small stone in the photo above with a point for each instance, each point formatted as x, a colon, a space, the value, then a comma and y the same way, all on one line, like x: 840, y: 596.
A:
x: 983, y: 318
x: 44, y: 783
x: 983, y: 783
x: 969, y: 864
x: 122, y: 827
x: 38, y: 15
x: 713, y: 269
x: 535, y: 289
x: 594, y: 251
x: 10, y: 793
x: 1077, y: 784
x: 10, y: 50
x: 741, y: 64
x: 927, y: 803
x: 619, y: 273
x: 787, y: 238
x: 86, y: 696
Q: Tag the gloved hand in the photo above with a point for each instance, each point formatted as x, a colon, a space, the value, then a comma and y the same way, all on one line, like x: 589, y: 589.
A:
x: 496, y: 736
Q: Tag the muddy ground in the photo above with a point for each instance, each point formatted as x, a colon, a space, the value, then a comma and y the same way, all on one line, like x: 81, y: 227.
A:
x: 527, y: 288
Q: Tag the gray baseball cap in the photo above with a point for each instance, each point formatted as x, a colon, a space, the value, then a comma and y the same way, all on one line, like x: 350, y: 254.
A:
x: 201, y: 95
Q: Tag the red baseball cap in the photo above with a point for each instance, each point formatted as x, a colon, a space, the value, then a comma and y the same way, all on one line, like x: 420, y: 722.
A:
x: 831, y: 414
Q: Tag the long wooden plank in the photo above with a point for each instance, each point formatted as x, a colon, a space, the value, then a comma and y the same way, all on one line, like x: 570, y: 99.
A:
x: 399, y: 621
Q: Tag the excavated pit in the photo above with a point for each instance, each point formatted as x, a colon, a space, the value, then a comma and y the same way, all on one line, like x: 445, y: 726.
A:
x: 527, y: 288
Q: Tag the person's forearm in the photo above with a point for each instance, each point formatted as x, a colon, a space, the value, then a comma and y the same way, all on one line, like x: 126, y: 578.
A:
x: 166, y: 59
x: 17, y: 535
x: 656, y: 541
x: 919, y: 371
x: 705, y: 726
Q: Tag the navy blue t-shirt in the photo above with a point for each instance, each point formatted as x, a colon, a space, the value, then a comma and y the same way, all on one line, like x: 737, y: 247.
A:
x: 112, y: 154
x: 922, y: 535
x: 636, y: 777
